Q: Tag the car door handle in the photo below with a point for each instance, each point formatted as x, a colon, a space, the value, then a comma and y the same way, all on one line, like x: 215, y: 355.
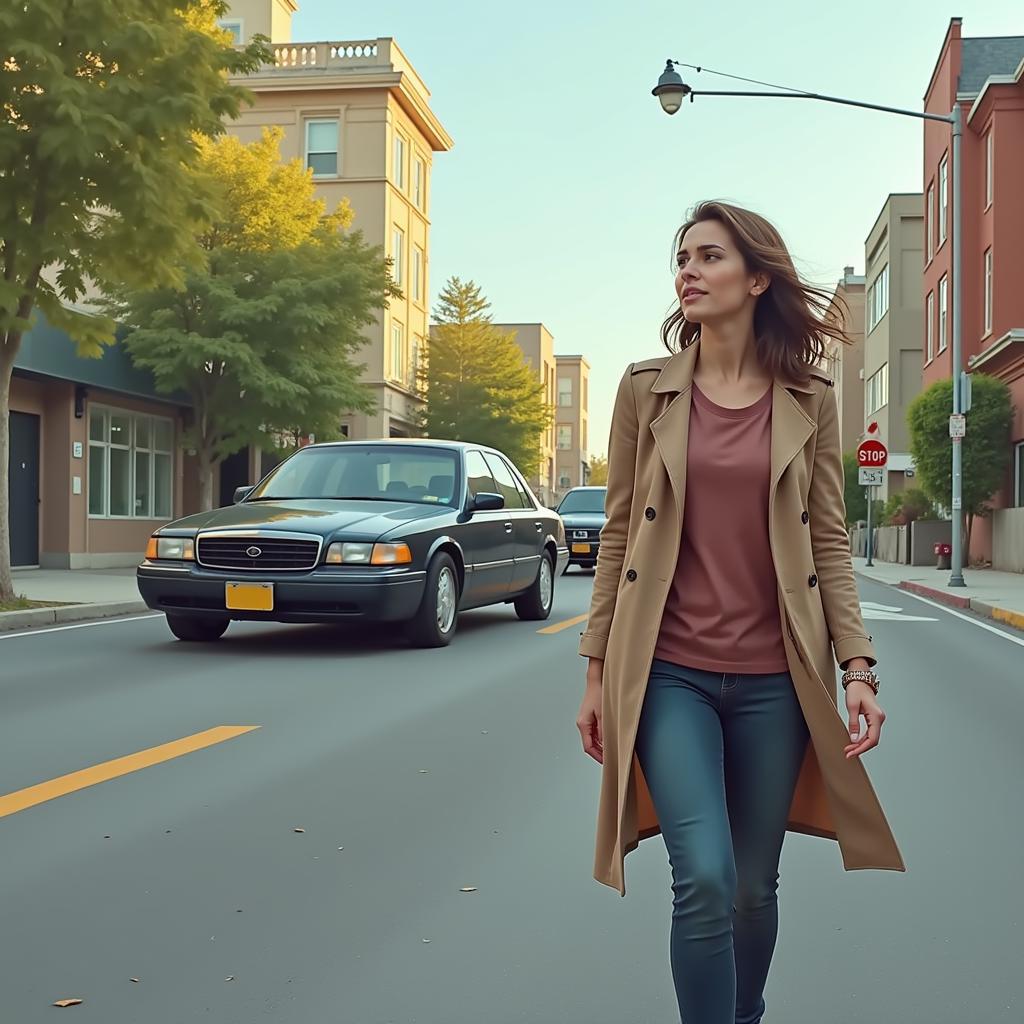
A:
x: 540, y: 527
x: 508, y: 527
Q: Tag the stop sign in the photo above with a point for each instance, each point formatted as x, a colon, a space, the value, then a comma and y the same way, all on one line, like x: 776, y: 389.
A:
x: 872, y: 454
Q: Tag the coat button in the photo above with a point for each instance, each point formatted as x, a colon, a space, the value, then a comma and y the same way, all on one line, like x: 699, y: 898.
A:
x: 649, y: 513
x: 812, y: 580
x: 631, y: 575
x: 805, y: 518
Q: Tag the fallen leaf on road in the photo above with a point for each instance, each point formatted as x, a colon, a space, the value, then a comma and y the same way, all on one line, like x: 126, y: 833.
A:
x: 67, y: 1002
x: 426, y: 940
x: 230, y: 978
x: 468, y: 888
x: 298, y: 830
x: 341, y: 847
x: 483, y: 732
x: 423, y: 771
x: 136, y: 980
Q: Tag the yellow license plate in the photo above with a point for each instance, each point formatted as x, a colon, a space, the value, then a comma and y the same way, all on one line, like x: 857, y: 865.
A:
x: 581, y: 549
x: 249, y: 597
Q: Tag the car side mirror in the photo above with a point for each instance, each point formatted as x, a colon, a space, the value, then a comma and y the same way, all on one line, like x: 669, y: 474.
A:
x: 241, y: 493
x: 485, y: 501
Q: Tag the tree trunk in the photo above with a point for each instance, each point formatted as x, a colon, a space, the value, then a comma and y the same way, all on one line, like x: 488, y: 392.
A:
x: 8, y: 350
x: 206, y: 466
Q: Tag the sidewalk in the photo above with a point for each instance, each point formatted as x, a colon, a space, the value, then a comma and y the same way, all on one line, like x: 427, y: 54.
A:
x: 996, y: 595
x: 79, y: 595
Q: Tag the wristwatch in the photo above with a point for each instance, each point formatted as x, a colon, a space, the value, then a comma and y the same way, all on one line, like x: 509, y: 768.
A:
x: 860, y: 675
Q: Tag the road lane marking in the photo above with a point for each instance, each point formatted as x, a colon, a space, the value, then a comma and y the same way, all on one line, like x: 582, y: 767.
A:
x: 559, y: 626
x: 78, y: 625
x: 967, y: 618
x: 44, y: 791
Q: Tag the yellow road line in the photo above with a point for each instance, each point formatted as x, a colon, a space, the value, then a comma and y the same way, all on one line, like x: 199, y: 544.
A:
x: 559, y: 626
x: 39, y: 794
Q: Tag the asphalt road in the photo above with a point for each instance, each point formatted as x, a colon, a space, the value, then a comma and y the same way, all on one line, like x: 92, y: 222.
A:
x: 415, y: 774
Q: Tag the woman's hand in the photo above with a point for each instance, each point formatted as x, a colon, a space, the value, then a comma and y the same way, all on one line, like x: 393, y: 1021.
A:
x: 861, y: 702
x: 588, y: 721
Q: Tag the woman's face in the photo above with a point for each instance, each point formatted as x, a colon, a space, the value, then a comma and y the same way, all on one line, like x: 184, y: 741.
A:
x: 712, y: 280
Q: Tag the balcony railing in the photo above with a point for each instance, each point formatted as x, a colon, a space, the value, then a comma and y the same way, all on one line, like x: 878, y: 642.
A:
x: 360, y: 53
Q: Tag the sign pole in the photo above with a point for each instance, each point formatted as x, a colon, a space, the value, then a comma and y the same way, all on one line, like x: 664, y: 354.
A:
x: 868, y: 490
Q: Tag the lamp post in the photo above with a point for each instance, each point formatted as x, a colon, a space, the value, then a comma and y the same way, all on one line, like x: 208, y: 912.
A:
x: 671, y: 91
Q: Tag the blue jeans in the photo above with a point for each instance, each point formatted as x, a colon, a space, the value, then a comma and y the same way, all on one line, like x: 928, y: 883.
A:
x: 721, y: 754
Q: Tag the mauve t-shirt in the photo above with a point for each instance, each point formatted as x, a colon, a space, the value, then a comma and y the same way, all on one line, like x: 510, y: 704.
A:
x: 722, y: 612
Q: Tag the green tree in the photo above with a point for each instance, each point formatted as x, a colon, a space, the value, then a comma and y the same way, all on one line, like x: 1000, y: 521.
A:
x: 262, y: 335
x: 598, y: 475
x: 986, y: 451
x: 854, y: 495
x: 478, y: 385
x: 100, y: 108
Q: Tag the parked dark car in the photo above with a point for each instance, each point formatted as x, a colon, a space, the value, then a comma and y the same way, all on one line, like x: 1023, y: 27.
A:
x: 411, y: 531
x: 582, y: 512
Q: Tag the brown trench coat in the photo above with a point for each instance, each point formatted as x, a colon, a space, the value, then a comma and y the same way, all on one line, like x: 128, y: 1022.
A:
x: 819, y: 609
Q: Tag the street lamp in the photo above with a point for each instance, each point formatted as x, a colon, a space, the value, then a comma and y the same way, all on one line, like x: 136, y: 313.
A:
x: 671, y: 91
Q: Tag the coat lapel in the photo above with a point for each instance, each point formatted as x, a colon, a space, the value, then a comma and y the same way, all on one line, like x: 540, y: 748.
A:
x: 791, y: 426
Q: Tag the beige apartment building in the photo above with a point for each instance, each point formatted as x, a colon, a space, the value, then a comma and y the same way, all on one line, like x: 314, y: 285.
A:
x: 357, y: 113
x: 572, y: 457
x: 538, y: 348
x: 894, y: 330
x: 845, y: 364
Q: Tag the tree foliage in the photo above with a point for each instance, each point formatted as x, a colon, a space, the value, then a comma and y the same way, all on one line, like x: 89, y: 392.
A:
x: 101, y: 109
x: 478, y: 385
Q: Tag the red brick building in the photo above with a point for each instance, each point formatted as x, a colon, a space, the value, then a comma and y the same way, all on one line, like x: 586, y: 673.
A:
x: 985, y: 76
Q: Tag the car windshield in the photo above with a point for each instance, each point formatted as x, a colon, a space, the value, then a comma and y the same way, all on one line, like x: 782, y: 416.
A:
x: 583, y: 501
x: 364, y: 472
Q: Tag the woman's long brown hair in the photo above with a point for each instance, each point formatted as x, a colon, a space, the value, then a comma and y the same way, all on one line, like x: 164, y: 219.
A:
x: 792, y: 319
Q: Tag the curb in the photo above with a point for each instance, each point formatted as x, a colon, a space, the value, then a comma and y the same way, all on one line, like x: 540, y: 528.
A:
x: 33, y: 617
x: 972, y: 604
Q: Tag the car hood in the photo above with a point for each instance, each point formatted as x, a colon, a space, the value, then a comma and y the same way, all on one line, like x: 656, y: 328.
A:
x: 318, y: 516
x: 583, y: 520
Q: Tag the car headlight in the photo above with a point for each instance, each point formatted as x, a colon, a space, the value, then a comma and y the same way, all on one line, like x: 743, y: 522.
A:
x: 345, y: 553
x: 175, y: 549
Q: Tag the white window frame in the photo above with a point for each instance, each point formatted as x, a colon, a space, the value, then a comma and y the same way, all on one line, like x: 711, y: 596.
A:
x: 398, y: 254
x: 931, y: 222
x: 565, y: 394
x: 930, y: 328
x: 419, y: 179
x: 102, y: 449
x: 878, y: 298
x: 398, y: 159
x: 558, y: 437
x: 943, y: 198
x: 228, y: 23
x: 988, y: 291
x: 989, y: 172
x: 398, y: 352
x: 417, y: 273
x: 943, y: 312
x: 337, y: 147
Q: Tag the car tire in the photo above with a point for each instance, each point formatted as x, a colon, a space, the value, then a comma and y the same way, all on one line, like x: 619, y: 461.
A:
x: 196, y: 630
x: 535, y: 604
x: 433, y: 625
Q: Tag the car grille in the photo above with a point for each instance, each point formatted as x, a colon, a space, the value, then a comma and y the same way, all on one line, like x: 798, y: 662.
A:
x: 278, y: 553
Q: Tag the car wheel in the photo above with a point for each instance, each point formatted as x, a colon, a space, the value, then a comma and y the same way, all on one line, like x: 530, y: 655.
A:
x: 186, y: 627
x: 434, y: 624
x: 536, y: 603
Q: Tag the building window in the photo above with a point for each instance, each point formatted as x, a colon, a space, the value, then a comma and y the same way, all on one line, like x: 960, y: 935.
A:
x: 931, y: 222
x: 131, y: 465
x: 564, y: 437
x: 235, y: 27
x: 417, y: 273
x: 929, y: 329
x: 876, y: 394
x: 418, y: 182
x: 399, y: 161
x: 564, y: 478
x: 398, y: 255
x: 988, y: 169
x: 322, y: 148
x: 878, y: 298
x: 565, y: 391
x: 988, y: 291
x: 943, y: 311
x: 943, y: 197
x: 1018, y: 462
x: 397, y: 352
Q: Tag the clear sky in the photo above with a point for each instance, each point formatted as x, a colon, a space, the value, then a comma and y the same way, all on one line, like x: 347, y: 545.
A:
x: 567, y: 181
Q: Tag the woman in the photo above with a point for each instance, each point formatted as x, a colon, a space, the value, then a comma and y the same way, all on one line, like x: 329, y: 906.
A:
x: 723, y: 587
